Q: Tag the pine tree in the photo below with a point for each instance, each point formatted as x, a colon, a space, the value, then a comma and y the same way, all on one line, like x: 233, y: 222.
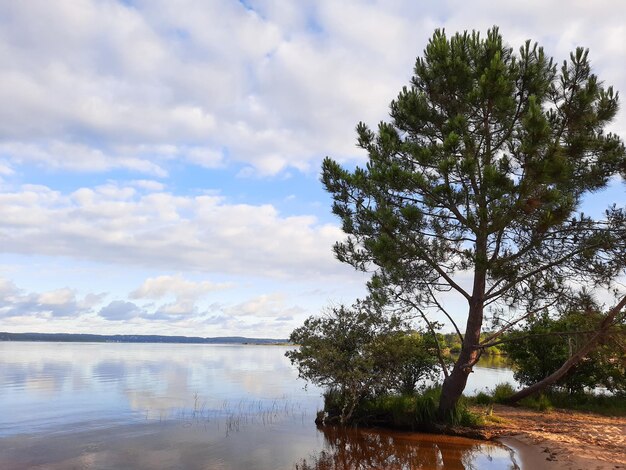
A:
x: 481, y: 172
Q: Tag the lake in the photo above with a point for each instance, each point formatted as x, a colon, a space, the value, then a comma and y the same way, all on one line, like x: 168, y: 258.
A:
x: 187, y: 406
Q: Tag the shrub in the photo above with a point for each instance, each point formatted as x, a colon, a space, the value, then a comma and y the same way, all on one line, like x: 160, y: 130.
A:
x: 426, y: 405
x: 461, y: 415
x: 502, y: 392
x: 482, y: 398
x: 416, y: 411
x: 358, y: 353
x: 545, y: 343
x: 539, y: 402
x: 609, y: 405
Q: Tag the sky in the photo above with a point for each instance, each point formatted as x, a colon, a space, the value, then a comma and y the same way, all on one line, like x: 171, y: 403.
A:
x: 160, y: 160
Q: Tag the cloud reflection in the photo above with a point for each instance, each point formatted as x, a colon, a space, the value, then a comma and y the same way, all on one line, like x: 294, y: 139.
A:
x: 138, y: 380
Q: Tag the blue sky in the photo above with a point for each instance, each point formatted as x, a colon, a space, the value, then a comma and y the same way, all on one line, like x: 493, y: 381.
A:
x: 159, y: 160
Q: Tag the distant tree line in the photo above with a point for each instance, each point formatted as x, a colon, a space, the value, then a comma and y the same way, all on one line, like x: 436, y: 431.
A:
x: 90, y: 338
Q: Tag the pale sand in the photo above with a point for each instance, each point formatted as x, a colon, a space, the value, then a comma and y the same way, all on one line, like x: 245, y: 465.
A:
x: 562, y: 439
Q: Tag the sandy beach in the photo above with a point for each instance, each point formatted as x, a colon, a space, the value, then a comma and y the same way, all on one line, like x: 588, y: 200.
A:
x: 562, y: 439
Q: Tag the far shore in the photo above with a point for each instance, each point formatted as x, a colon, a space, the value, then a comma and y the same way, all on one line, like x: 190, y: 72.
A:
x: 130, y: 338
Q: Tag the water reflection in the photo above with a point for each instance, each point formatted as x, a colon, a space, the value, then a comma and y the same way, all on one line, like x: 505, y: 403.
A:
x: 494, y: 361
x: 48, y: 385
x: 81, y: 405
x: 353, y: 449
x: 489, y: 372
x: 261, y: 447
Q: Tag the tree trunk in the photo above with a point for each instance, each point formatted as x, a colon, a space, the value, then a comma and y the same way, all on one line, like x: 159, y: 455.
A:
x: 572, y: 361
x: 454, y: 384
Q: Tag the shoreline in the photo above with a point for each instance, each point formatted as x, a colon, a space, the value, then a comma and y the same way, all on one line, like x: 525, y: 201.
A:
x: 530, y: 455
x: 561, y: 439
x: 527, y: 454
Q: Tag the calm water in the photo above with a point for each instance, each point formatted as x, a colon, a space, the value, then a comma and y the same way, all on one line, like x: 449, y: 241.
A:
x: 95, y: 405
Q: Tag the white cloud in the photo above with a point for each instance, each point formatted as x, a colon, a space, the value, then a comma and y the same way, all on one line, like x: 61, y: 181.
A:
x: 148, y: 185
x: 119, y: 310
x: 5, y: 169
x: 265, y: 306
x: 57, y: 297
x: 150, y: 87
x: 149, y: 75
x: 163, y: 286
x: 277, y: 87
x: 116, y: 224
x: 78, y: 157
x: 186, y: 293
x: 180, y: 307
x: 64, y: 302
x: 205, y: 157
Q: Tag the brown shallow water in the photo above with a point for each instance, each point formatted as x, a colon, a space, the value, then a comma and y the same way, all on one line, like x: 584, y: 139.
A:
x: 122, y: 406
x: 379, y: 449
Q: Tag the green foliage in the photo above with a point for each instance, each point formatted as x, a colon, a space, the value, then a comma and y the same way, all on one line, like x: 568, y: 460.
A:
x: 485, y: 145
x: 539, y: 402
x: 499, y: 394
x: 359, y: 352
x: 426, y: 405
x: 482, y: 169
x: 610, y: 405
x: 461, y: 415
x: 410, y: 358
x: 334, y: 353
x: 502, y: 392
x: 451, y: 343
x: 333, y: 401
x: 392, y: 410
x: 494, y: 351
x: 482, y: 398
x: 416, y: 411
x: 545, y: 343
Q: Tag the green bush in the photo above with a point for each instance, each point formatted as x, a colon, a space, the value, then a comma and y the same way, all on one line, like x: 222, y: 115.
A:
x: 398, y: 409
x: 416, y: 411
x: 545, y: 343
x: 502, y: 392
x: 609, y: 405
x: 482, y: 398
x: 539, y: 402
x: 333, y: 401
x: 358, y: 353
x: 402, y: 409
x: 461, y: 415
x: 427, y: 404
